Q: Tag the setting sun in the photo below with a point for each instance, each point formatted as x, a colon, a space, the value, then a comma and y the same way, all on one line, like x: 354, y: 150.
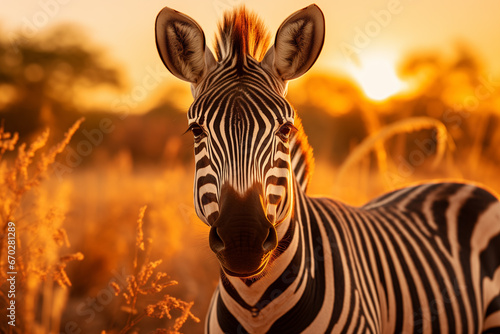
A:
x: 377, y: 77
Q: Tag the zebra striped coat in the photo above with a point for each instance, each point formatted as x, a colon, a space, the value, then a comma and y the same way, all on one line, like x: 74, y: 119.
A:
x: 424, y: 259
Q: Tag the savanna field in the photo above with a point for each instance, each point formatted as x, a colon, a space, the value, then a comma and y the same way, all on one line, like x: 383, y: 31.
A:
x: 100, y: 193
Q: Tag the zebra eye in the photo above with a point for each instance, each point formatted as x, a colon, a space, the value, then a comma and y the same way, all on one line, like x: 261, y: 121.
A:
x: 196, y: 130
x: 285, y: 130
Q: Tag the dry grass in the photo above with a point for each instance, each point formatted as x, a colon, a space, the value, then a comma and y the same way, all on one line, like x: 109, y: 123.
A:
x: 40, y: 237
x: 401, y: 127
x: 39, y: 206
x: 147, y: 280
x: 384, y: 179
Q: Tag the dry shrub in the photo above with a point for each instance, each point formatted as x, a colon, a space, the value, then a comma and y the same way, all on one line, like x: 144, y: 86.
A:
x: 41, y: 279
x: 401, y: 127
x: 360, y: 157
x: 38, y: 206
x: 148, y: 281
x: 99, y: 224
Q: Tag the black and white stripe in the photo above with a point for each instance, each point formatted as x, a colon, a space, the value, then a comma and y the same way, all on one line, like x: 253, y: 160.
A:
x: 424, y: 259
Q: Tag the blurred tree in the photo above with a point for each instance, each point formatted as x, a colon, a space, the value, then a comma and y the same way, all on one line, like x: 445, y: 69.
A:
x: 458, y: 92
x: 40, y: 75
x: 331, y: 109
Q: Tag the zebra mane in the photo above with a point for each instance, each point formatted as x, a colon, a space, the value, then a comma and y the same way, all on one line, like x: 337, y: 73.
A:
x: 241, y: 33
x: 303, y: 164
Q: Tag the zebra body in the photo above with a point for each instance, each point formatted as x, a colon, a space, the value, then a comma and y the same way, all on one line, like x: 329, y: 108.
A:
x: 387, y: 267
x: 424, y: 259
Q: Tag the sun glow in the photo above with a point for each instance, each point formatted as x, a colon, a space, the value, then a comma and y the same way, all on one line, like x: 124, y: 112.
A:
x: 377, y: 77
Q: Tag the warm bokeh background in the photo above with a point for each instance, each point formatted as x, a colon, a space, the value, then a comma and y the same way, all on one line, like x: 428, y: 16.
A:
x: 404, y: 91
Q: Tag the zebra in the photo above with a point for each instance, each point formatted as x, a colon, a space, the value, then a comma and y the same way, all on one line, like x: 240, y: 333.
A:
x: 421, y: 259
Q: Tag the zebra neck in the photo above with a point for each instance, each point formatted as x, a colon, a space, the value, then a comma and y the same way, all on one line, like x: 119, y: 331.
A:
x: 293, y: 282
x: 258, y: 303
x: 301, y: 156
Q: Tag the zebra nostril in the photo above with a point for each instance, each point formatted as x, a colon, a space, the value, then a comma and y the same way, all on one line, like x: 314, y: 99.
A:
x: 271, y: 240
x: 216, y: 243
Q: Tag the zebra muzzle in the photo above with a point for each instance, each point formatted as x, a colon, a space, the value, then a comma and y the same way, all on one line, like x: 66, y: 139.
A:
x: 242, y: 237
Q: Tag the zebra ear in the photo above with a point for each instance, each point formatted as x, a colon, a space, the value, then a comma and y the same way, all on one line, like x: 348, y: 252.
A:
x: 297, y: 45
x: 181, y: 44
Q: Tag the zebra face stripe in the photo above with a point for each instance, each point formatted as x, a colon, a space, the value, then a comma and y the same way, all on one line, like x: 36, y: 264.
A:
x: 241, y: 130
x: 238, y: 142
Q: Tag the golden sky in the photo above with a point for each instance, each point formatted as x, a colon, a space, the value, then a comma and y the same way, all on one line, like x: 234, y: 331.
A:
x: 365, y: 30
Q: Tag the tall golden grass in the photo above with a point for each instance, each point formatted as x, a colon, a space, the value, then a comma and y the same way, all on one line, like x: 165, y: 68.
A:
x: 147, y: 280
x: 39, y: 205
x: 39, y: 235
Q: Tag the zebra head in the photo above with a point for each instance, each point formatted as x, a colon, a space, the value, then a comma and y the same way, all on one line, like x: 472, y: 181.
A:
x: 242, y: 125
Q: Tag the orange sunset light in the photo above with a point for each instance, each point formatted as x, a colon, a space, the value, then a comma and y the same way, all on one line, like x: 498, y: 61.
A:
x: 97, y: 161
x: 377, y: 77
